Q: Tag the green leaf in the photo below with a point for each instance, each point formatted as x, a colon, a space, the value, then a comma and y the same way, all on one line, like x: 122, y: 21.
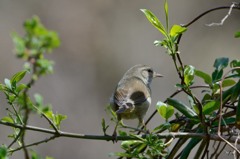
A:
x: 235, y: 92
x: 210, y: 107
x: 3, y: 152
x: 104, y: 126
x: 20, y: 87
x: 228, y: 82
x: 238, y: 114
x: 165, y: 110
x: 166, y: 13
x: 154, y: 21
x: 7, y: 119
x: 184, y: 109
x: 235, y: 63
x: 189, y: 75
x: 192, y: 143
x: 19, y: 44
x: 8, y: 83
x: 237, y: 35
x: 177, y: 30
x: 18, y: 76
x: 38, y: 99
x: 162, y: 127
x: 217, y: 75
x: 59, y: 118
x: 221, y: 63
x: 130, y: 143
x: 157, y: 43
x: 206, y: 77
x: 120, y: 154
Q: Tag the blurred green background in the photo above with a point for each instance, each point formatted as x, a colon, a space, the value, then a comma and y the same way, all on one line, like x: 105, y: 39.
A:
x: 101, y: 39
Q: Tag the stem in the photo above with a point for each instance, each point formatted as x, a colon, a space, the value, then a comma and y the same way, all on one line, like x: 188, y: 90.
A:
x: 206, y: 12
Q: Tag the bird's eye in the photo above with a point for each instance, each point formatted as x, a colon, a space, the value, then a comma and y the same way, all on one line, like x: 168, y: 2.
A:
x: 150, y: 71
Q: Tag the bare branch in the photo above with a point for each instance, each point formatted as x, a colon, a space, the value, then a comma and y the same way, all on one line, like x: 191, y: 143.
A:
x: 226, y: 16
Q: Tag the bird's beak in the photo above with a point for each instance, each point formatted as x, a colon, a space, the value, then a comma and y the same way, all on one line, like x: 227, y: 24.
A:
x: 157, y: 75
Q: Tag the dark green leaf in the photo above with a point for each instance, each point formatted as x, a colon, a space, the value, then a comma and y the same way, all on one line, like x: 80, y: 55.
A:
x: 235, y: 92
x: 217, y: 75
x: 225, y: 121
x: 182, y: 108
x: 3, y: 152
x: 192, y: 143
x: 237, y: 35
x: 221, y: 63
x: 189, y: 75
x: 210, y: 107
x: 162, y: 127
x: 154, y: 21
x: 238, y: 114
x: 206, y: 77
x: 235, y: 63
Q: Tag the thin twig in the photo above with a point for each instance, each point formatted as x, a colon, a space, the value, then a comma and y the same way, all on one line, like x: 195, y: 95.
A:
x: 206, y: 12
x: 20, y: 132
x: 35, y: 143
x: 49, y: 120
x: 226, y: 16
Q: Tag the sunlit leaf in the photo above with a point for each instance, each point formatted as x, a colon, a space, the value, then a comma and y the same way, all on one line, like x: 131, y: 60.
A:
x: 177, y: 30
x: 8, y: 83
x: 189, y: 75
x: 154, y: 21
x: 166, y: 13
x: 7, y: 119
x: 166, y: 111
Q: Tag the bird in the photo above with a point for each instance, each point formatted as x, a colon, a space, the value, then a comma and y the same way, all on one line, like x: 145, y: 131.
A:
x: 132, y: 95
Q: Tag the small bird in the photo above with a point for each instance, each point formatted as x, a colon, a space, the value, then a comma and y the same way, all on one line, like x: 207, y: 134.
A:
x: 132, y: 96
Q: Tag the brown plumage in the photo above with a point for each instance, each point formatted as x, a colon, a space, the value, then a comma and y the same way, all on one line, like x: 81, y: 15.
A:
x: 132, y: 96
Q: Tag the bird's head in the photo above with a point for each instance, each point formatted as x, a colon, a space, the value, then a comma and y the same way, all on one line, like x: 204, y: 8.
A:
x: 145, y: 73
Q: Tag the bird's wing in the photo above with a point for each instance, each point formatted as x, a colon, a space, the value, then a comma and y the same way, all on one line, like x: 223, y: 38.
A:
x: 130, y: 93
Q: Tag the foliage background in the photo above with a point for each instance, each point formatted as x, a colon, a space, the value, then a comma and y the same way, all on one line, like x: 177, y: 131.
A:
x: 100, y: 41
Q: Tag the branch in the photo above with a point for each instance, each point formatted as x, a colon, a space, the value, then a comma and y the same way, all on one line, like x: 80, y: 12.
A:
x: 34, y: 144
x: 208, y: 11
x: 220, y: 112
x: 234, y: 4
x: 119, y: 138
